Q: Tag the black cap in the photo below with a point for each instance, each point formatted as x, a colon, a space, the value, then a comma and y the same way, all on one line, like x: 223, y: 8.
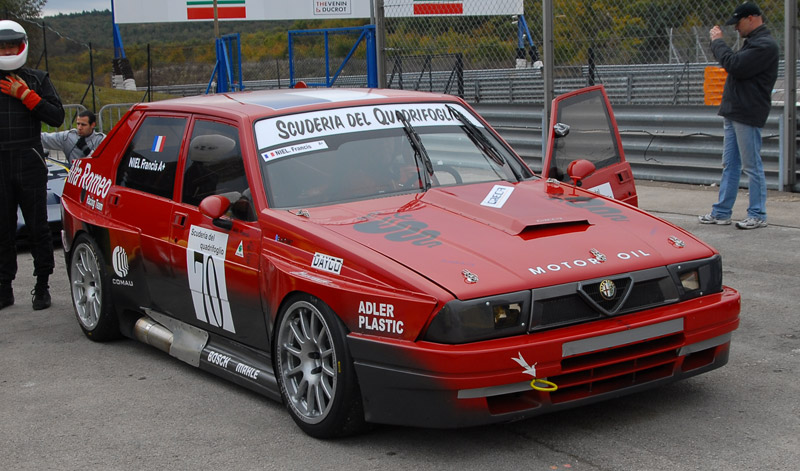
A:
x: 743, y: 11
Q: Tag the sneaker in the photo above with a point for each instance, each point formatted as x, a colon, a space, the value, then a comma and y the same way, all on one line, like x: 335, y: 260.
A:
x: 41, y: 297
x: 751, y: 223
x: 6, y: 296
x: 709, y: 219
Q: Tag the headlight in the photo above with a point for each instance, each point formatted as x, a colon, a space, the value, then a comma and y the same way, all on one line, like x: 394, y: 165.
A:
x: 698, y: 277
x: 481, y: 319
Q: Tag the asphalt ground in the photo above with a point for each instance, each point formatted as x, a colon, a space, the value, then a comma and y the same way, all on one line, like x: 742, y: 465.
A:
x: 67, y: 403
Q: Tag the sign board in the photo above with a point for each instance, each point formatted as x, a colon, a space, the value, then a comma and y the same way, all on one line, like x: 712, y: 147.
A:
x: 170, y: 11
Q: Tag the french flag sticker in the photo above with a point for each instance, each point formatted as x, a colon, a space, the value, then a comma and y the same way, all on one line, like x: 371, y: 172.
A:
x: 158, y: 144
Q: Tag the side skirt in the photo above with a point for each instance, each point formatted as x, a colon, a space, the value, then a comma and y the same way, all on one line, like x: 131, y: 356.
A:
x: 219, y: 356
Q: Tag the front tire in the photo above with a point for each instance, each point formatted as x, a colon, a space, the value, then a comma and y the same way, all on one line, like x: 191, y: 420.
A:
x: 91, y: 291
x: 315, y: 371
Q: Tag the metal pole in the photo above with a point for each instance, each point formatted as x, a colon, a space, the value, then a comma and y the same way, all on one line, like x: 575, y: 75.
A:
x: 380, y: 42
x: 789, y: 135
x: 91, y: 76
x: 44, y: 40
x: 547, y: 70
x: 216, y: 21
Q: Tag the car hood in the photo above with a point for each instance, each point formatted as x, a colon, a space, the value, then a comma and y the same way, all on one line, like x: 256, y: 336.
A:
x: 482, y: 239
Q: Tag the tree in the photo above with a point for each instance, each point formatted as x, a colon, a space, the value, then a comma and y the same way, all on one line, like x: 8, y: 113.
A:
x: 27, y: 9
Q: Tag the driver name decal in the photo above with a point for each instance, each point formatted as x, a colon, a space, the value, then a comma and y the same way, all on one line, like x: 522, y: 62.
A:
x: 205, y: 267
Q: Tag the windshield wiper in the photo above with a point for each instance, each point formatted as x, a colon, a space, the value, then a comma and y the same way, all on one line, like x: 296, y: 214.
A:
x: 419, y: 149
x: 478, y: 138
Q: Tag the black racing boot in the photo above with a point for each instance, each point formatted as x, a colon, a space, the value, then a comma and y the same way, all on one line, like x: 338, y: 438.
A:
x: 6, y: 295
x: 41, y: 294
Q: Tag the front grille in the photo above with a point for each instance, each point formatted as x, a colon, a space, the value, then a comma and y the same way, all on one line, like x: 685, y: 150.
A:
x: 616, y: 368
x: 572, y: 303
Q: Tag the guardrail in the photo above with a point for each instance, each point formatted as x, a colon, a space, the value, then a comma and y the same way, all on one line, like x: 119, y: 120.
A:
x: 639, y: 84
x: 679, y: 144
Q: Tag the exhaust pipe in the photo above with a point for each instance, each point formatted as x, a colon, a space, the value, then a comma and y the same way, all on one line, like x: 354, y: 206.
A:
x: 153, y: 334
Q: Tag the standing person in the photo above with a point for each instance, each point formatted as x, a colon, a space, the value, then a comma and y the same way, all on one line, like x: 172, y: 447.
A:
x: 746, y: 101
x: 28, y: 97
x: 78, y: 142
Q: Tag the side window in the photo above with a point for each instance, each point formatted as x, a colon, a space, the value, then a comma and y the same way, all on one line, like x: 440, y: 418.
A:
x: 150, y: 162
x: 214, y: 166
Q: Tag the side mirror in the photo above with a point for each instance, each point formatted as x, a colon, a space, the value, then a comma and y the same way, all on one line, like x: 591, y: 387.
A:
x: 579, y: 169
x: 215, y: 206
x: 561, y: 129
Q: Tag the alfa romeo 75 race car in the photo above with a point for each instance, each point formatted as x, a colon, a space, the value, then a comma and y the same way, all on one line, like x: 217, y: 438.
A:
x: 384, y: 256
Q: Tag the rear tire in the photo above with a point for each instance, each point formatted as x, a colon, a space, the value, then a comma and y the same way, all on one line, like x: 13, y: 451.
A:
x: 314, y: 369
x: 91, y: 291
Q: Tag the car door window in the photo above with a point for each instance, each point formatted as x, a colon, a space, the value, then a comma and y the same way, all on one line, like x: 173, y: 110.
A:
x: 150, y: 162
x: 214, y: 166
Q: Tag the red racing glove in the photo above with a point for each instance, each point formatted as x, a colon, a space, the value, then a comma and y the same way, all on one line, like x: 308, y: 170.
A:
x: 16, y: 87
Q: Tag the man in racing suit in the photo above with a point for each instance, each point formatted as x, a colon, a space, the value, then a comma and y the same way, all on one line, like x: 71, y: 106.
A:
x: 28, y: 97
x: 78, y: 142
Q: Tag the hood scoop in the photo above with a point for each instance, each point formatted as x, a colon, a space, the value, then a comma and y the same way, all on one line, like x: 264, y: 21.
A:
x: 516, y: 217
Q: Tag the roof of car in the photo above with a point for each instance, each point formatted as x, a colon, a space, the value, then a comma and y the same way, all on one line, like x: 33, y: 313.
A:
x: 274, y: 102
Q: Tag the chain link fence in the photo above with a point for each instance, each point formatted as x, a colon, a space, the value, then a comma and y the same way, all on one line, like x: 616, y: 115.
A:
x: 645, y: 51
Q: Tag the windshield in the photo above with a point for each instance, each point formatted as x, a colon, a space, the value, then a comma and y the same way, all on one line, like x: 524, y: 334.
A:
x: 341, y: 155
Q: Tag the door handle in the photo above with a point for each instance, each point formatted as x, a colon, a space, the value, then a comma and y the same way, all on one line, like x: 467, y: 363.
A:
x: 179, y: 219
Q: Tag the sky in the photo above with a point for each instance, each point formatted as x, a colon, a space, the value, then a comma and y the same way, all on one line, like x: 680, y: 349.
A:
x: 54, y: 7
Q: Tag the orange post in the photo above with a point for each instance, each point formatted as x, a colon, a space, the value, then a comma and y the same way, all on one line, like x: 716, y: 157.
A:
x: 713, y: 83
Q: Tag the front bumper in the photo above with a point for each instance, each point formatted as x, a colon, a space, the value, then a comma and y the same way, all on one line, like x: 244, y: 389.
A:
x: 444, y: 386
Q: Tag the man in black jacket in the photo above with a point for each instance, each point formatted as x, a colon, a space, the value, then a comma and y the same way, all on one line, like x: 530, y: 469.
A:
x: 746, y: 102
x: 28, y: 97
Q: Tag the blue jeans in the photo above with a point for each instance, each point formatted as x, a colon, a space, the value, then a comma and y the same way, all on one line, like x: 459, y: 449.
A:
x: 741, y: 151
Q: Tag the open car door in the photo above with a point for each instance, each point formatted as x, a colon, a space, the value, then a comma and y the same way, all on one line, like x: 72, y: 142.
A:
x: 582, y: 128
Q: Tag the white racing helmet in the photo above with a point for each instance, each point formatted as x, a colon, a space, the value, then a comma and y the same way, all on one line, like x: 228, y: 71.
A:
x: 11, y: 31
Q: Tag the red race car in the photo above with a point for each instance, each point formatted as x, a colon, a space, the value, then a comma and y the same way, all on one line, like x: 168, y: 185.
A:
x: 384, y: 256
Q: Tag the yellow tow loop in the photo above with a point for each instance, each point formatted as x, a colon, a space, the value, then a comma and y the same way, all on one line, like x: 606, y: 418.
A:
x: 543, y: 385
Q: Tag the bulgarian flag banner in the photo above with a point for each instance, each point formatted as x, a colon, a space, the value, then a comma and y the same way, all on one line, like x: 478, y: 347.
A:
x: 434, y: 7
x: 226, y: 9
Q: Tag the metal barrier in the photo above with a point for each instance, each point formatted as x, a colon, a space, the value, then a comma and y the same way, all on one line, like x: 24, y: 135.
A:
x: 108, y: 115
x: 679, y: 144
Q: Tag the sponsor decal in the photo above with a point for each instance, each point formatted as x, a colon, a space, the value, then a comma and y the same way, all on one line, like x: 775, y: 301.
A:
x: 400, y: 228
x: 294, y: 150
x: 318, y: 124
x: 240, y: 250
x: 158, y: 144
x: 581, y: 263
x: 327, y: 263
x: 119, y: 282
x: 94, y: 203
x: 222, y: 360
x: 332, y: 7
x: 205, y: 267
x: 498, y: 196
x: 226, y: 9
x: 95, y: 184
x: 378, y: 317
x: 596, y: 206
x: 119, y: 260
x: 310, y: 277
